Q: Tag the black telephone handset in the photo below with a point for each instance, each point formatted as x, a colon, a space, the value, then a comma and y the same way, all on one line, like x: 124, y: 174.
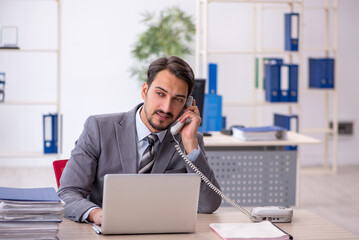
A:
x: 177, y: 126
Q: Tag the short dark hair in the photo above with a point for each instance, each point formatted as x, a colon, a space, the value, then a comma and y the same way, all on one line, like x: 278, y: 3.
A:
x: 176, y: 66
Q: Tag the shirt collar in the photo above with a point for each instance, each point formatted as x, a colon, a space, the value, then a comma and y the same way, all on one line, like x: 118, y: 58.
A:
x: 143, y: 131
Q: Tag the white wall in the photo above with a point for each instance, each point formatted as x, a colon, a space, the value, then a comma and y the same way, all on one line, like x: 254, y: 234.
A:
x: 349, y: 79
x: 97, y: 37
x: 97, y: 40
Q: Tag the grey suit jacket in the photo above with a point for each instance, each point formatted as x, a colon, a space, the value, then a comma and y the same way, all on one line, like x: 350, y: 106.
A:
x: 108, y: 144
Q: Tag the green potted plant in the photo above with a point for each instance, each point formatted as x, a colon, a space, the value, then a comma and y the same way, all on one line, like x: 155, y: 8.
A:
x: 168, y: 34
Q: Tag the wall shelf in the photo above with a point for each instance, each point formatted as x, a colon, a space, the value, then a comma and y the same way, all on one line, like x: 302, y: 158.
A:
x: 55, y: 72
x: 26, y: 155
x: 257, y: 103
x: 29, y: 50
x: 29, y: 103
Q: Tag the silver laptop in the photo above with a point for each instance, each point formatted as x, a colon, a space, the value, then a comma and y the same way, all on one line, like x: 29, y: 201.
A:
x: 149, y: 203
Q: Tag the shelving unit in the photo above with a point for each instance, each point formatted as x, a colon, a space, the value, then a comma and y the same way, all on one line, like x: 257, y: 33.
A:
x: 16, y: 106
x: 256, y: 103
x: 330, y: 96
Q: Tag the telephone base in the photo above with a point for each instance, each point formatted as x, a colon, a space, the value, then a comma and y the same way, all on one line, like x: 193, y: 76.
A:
x: 272, y: 214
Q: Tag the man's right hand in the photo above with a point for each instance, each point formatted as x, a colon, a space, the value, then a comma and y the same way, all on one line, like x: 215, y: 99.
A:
x: 95, y: 216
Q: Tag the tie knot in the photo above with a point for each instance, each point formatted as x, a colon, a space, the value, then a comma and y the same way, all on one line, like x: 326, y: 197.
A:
x: 152, y: 138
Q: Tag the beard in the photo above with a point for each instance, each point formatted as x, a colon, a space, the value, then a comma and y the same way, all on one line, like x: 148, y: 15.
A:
x: 162, y: 125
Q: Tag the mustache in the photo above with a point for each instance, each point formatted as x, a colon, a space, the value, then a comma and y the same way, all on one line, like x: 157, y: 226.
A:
x: 167, y: 113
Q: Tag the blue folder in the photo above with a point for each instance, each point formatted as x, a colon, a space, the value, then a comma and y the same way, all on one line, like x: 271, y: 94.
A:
x: 29, y: 194
x: 261, y: 129
x: 284, y: 80
x: 330, y: 65
x: 212, y: 113
x: 212, y: 108
x: 212, y: 78
x: 2, y: 86
x: 293, y: 83
x: 289, y: 122
x: 50, y: 133
x: 321, y: 72
x: 270, y: 61
x: 272, y: 82
x: 2, y: 76
x: 280, y: 87
x: 291, y: 32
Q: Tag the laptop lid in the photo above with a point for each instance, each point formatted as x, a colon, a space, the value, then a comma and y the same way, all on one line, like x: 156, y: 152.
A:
x: 150, y: 203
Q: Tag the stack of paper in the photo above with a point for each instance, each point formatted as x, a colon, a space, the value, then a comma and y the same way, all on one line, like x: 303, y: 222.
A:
x: 29, y: 213
x: 267, y: 133
x: 237, y: 231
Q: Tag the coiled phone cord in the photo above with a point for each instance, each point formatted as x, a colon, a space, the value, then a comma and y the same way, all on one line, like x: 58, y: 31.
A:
x: 209, y: 183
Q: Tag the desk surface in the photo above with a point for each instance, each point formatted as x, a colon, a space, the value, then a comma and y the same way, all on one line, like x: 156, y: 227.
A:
x: 305, y: 225
x: 221, y: 140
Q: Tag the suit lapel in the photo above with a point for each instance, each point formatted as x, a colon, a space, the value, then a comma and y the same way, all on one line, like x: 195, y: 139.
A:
x: 165, y: 154
x: 127, y: 141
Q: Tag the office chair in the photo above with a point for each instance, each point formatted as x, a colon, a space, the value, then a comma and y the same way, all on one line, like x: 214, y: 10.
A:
x: 59, y: 166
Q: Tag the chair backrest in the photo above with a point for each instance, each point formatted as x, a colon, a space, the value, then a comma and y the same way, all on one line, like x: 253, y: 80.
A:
x: 59, y: 166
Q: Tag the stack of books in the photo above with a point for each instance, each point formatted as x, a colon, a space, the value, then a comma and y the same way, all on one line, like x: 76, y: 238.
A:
x: 267, y: 133
x: 30, y: 213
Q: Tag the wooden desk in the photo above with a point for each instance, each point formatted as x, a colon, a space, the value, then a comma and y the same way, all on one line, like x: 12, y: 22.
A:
x: 257, y: 173
x: 305, y: 225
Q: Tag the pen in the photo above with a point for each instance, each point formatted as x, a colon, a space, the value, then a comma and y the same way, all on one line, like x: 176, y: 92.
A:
x: 96, y: 230
x: 290, y: 236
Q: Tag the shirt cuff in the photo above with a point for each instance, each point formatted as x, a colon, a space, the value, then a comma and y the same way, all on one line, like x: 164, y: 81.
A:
x: 86, y: 214
x: 194, y: 154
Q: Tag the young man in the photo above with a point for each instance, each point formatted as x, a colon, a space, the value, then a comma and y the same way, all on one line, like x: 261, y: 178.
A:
x: 115, y: 143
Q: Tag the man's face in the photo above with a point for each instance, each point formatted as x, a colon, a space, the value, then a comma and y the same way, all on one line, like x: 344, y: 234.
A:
x: 163, y: 100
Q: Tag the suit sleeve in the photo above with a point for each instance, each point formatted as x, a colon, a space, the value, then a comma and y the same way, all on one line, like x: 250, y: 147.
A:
x: 209, y: 201
x: 79, y: 174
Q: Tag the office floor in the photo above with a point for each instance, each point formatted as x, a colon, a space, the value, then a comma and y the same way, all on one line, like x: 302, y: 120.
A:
x: 335, y: 197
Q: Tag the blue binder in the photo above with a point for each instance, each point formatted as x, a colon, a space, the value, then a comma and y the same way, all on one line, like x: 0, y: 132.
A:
x: 272, y: 82
x: 329, y: 72
x: 212, y: 78
x: 29, y: 194
x: 212, y: 108
x: 270, y: 61
x: 284, y: 79
x: 50, y: 133
x: 212, y: 113
x: 2, y: 86
x: 321, y: 72
x: 293, y: 83
x: 289, y: 122
x: 291, y: 32
x: 281, y: 82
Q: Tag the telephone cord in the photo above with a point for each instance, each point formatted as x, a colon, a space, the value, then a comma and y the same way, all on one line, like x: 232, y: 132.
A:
x: 209, y: 183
